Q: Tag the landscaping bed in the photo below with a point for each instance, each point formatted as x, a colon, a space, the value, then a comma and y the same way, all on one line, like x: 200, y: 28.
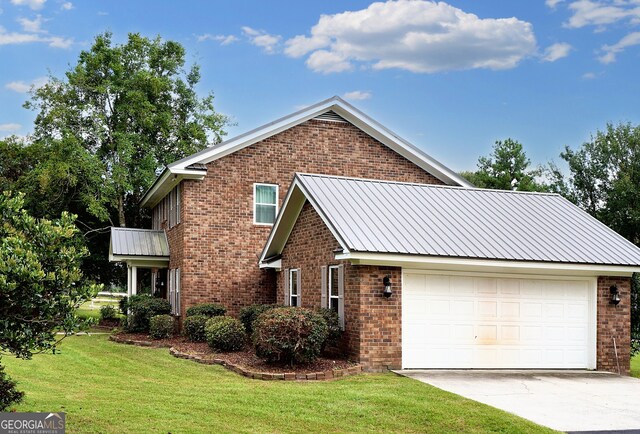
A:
x: 245, y: 362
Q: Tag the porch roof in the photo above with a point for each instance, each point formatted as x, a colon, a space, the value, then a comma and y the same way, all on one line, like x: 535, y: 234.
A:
x: 138, y: 244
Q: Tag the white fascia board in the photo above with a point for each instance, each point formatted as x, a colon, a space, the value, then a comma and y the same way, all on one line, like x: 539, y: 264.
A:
x: 277, y: 265
x: 287, y: 217
x: 169, y: 179
x: 498, y: 266
x: 349, y: 113
x: 141, y: 261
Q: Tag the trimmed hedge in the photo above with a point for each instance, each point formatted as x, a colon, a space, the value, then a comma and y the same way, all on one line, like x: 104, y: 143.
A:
x: 161, y: 326
x: 334, y: 333
x: 290, y: 335
x: 206, y: 309
x: 225, y: 333
x: 108, y: 313
x: 249, y: 314
x: 194, y: 328
x: 142, y: 308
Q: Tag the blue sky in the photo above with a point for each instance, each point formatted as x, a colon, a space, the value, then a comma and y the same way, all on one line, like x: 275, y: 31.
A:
x: 450, y: 77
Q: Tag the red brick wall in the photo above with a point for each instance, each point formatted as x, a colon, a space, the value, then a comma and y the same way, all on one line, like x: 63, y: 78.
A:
x: 221, y: 244
x: 372, y: 323
x: 613, y: 322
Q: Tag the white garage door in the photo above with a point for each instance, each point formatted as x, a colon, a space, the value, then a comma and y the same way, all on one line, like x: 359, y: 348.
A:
x: 472, y: 321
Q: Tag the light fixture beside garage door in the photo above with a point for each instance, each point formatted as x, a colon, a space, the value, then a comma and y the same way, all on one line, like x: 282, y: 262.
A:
x: 386, y: 281
x: 615, y: 295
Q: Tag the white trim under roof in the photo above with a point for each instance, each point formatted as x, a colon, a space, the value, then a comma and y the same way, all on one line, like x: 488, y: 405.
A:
x: 492, y: 265
x: 164, y: 185
x: 338, y: 106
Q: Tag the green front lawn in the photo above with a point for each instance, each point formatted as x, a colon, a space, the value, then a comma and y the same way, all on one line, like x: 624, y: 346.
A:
x: 108, y: 387
x: 635, y: 366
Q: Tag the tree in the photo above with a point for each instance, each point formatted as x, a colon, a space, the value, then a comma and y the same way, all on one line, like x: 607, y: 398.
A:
x: 506, y: 168
x: 604, y: 179
x: 132, y: 109
x: 41, y: 283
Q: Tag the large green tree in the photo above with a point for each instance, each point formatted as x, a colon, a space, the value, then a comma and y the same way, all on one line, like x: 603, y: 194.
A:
x: 604, y: 180
x: 506, y: 168
x: 123, y: 111
x: 41, y: 284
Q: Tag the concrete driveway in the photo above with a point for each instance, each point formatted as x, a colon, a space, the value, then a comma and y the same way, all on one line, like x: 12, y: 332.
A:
x: 562, y: 400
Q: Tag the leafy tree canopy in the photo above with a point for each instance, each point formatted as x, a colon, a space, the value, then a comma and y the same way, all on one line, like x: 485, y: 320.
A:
x: 506, y: 168
x: 122, y: 112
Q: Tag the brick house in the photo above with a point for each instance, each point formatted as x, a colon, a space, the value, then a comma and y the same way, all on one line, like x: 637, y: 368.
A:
x: 240, y: 227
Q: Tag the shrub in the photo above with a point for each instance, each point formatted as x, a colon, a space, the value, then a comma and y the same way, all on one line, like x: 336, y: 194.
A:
x: 333, y: 326
x: 122, y: 305
x: 225, y: 333
x: 161, y: 326
x: 9, y: 395
x: 142, y: 308
x: 194, y: 328
x: 249, y: 314
x: 108, y: 313
x: 207, y: 309
x: 290, y: 334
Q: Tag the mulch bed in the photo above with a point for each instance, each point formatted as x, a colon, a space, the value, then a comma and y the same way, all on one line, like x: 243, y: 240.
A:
x: 245, y: 362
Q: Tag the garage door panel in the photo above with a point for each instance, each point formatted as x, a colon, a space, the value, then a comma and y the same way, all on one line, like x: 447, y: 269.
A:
x: 479, y: 322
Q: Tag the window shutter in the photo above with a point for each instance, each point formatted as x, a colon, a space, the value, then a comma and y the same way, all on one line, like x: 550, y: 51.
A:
x: 171, y: 295
x: 299, y: 286
x: 178, y: 204
x: 324, y: 299
x: 287, y: 299
x: 341, y: 294
x: 177, y: 291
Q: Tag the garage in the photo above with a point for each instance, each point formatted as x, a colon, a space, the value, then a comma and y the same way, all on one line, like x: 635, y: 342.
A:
x: 458, y: 320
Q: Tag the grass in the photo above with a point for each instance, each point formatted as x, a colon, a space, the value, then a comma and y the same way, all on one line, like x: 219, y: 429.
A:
x: 109, y: 387
x: 635, y: 366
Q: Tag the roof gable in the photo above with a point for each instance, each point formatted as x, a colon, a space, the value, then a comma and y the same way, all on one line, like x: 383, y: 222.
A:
x: 333, y: 109
x: 385, y: 217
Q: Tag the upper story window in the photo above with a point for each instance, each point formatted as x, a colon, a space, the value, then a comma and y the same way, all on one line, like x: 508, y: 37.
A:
x: 167, y: 211
x: 265, y: 203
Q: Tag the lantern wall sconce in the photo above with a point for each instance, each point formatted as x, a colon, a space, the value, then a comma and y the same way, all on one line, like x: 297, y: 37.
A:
x: 386, y: 281
x: 615, y: 295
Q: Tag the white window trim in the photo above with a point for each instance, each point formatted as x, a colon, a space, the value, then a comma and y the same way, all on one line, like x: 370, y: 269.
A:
x: 329, y: 296
x: 291, y: 295
x: 255, y: 186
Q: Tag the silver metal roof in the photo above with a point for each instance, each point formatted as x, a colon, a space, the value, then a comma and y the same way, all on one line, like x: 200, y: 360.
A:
x: 392, y: 217
x: 138, y: 242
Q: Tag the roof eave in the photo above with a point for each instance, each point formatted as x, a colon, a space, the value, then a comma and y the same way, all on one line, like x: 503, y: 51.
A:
x: 169, y: 178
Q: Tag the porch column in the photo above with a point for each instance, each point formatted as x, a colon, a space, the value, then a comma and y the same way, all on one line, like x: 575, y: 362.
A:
x: 134, y: 280
x: 128, y: 280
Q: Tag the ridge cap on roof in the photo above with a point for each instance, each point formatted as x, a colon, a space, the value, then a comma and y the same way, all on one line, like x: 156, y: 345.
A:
x: 135, y: 229
x: 453, y: 187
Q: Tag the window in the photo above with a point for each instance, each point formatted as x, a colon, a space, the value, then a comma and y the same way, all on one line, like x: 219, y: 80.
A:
x: 334, y: 295
x: 294, y: 290
x: 167, y: 210
x: 265, y: 203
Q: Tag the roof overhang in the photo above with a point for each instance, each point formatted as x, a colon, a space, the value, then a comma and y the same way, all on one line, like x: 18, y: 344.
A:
x: 169, y: 178
x: 485, y: 265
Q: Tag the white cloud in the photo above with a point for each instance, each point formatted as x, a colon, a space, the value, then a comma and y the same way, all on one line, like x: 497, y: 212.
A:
x: 357, y: 95
x: 589, y: 75
x: 552, y: 3
x: 33, y: 4
x: 262, y: 39
x: 611, y: 51
x: 32, y: 26
x: 419, y: 36
x: 556, y: 51
x: 67, y: 6
x: 13, y: 38
x: 223, y: 39
x: 601, y: 13
x: 23, y: 87
x: 10, y: 128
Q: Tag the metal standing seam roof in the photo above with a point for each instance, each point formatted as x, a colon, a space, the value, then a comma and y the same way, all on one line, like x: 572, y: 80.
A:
x: 393, y: 217
x: 138, y: 242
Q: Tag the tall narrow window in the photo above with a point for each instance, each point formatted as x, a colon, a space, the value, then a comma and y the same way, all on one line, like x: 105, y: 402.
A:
x: 265, y: 203
x: 294, y: 290
x: 334, y: 295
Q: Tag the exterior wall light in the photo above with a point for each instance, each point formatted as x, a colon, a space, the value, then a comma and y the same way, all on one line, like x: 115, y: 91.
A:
x: 387, y: 286
x: 615, y: 295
